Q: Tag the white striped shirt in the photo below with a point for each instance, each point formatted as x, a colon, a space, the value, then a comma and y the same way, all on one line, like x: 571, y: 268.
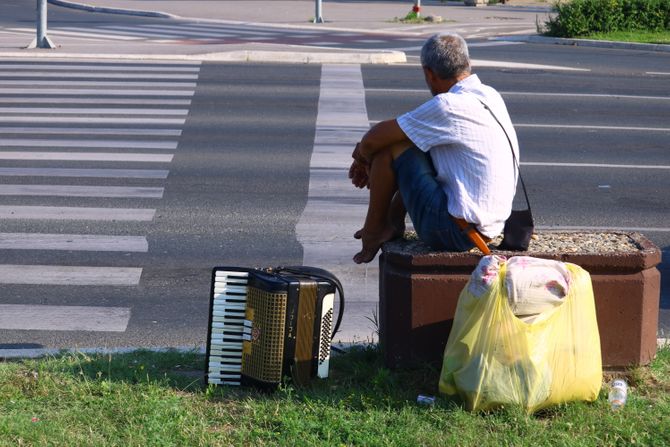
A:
x: 470, y: 152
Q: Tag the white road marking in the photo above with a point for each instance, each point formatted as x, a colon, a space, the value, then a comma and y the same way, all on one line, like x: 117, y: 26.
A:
x: 95, y: 173
x: 137, y: 32
x: 190, y: 31
x: 470, y: 45
x: 152, y: 85
x: 90, y: 120
x: 579, y: 126
x: 108, y: 144
x: 63, y: 318
x: 136, y: 192
x: 226, y: 29
x: 76, y: 74
x: 80, y: 318
x: 582, y: 127
x: 94, y: 92
x: 482, y: 63
x: 73, y: 242
x: 102, y: 67
x: 86, y: 156
x: 335, y: 209
x: 593, y: 165
x: 92, y: 111
x: 90, y: 131
x: 424, y: 91
x: 97, y: 101
x: 588, y: 95
x: 76, y: 213
x: 69, y: 276
x: 94, y: 36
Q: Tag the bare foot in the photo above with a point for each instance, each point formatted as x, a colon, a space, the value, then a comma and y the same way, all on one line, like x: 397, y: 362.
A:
x: 398, y: 231
x: 372, y: 242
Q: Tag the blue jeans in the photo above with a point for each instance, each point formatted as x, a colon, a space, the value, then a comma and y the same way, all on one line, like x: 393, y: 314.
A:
x: 426, y: 202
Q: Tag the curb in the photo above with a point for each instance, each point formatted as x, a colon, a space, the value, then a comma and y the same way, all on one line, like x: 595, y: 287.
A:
x: 586, y: 43
x: 130, y: 12
x: 289, y: 57
x: 33, y: 353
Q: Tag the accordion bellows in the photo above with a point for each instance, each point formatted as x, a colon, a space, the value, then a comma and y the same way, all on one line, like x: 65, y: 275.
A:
x: 265, y: 325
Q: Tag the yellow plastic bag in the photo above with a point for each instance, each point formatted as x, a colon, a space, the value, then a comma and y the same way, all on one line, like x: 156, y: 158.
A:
x: 492, y: 358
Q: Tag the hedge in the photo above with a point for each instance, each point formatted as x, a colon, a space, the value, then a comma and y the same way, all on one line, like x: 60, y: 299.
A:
x: 581, y: 17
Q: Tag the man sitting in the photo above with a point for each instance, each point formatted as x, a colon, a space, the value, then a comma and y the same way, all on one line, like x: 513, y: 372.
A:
x: 445, y: 161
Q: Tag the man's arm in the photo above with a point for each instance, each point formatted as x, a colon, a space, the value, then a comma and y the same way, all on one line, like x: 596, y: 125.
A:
x: 381, y: 136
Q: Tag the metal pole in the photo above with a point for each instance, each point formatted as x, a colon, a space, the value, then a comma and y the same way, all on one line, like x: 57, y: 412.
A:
x: 318, y: 16
x: 41, y: 40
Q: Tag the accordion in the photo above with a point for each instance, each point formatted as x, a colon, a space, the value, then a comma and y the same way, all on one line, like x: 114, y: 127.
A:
x: 267, y: 324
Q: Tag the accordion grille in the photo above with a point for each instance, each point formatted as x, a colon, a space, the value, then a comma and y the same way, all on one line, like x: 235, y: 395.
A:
x: 324, y: 339
x: 263, y: 361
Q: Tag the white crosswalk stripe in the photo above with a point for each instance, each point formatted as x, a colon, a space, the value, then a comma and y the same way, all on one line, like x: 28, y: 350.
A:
x: 188, y: 32
x: 72, y: 318
x: 73, y: 135
x: 86, y: 156
x: 76, y: 242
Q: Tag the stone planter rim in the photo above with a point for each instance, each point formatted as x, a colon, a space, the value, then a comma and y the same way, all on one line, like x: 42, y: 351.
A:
x: 648, y: 256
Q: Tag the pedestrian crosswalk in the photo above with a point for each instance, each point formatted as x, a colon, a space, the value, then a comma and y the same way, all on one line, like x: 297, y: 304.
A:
x: 185, y: 32
x: 189, y: 33
x: 83, y: 146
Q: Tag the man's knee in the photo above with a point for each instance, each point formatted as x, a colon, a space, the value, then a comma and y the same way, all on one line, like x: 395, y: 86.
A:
x: 398, y: 148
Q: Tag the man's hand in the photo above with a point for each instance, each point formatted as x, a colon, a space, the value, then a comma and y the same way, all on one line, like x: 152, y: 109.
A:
x: 358, y: 173
x: 359, y: 170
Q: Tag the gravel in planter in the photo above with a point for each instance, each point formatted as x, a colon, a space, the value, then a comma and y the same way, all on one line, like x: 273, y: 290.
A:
x: 542, y: 242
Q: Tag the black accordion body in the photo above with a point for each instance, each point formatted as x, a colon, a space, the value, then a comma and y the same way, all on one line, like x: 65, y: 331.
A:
x: 266, y: 324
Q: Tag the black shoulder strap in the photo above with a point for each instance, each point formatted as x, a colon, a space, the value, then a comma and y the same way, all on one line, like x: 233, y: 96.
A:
x: 326, y: 276
x: 516, y: 163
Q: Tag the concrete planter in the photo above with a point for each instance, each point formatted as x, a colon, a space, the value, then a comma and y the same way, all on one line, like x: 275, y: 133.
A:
x: 418, y: 292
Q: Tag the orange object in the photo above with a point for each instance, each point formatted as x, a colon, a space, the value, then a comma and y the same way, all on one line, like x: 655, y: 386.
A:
x: 473, y: 234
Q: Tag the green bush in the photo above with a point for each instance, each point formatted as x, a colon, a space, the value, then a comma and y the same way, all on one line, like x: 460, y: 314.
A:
x: 581, y: 17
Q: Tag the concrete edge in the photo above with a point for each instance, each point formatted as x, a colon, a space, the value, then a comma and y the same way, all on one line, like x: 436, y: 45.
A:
x: 586, y: 43
x: 290, y: 57
x: 103, y: 9
x: 33, y: 353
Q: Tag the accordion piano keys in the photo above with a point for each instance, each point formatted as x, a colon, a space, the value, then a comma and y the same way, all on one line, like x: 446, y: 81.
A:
x: 227, y: 327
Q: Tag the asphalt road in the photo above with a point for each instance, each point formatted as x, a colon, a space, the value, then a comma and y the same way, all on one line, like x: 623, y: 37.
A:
x: 239, y: 179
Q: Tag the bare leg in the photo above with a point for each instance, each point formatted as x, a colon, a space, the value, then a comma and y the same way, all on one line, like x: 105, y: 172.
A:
x: 384, y: 210
x: 396, y: 217
x: 397, y: 214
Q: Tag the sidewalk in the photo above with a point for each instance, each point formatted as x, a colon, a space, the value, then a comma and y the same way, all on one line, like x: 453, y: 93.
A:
x: 516, y: 20
x: 356, y: 16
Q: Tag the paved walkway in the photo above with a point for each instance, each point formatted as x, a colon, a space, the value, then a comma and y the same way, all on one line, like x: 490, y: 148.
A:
x: 344, y: 14
x: 367, y: 21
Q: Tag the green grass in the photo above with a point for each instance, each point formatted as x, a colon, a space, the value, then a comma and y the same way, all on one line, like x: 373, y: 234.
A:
x: 662, y: 37
x: 156, y: 399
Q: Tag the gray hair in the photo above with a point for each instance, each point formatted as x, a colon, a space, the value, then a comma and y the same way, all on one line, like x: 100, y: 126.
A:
x: 446, y: 55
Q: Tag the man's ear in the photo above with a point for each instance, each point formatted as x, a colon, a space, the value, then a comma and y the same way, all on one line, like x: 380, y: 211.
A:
x: 429, y: 74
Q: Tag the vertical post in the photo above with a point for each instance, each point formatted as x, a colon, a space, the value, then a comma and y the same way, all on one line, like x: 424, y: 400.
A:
x: 417, y: 8
x: 318, y: 16
x: 41, y: 40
